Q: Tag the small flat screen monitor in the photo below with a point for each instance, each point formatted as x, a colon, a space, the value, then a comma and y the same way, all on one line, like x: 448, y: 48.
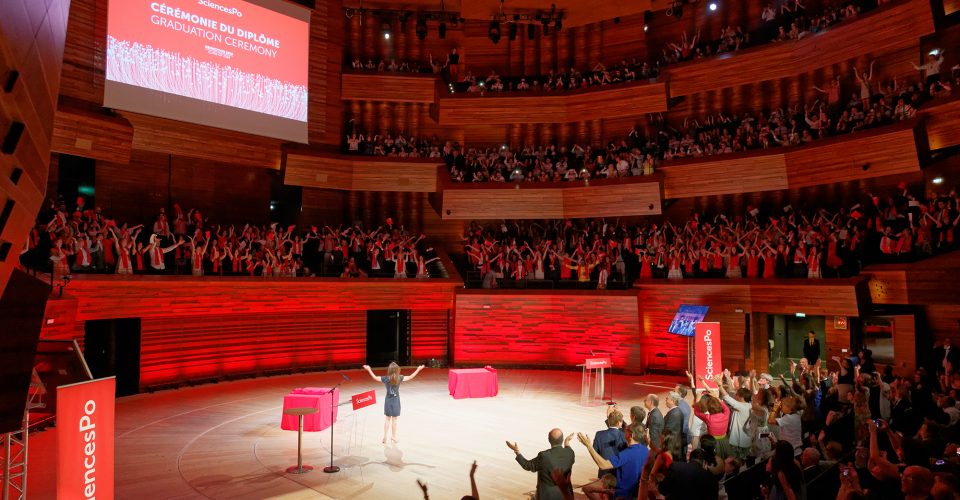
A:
x: 685, y: 322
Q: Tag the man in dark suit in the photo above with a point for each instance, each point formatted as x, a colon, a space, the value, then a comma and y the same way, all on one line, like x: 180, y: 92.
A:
x: 811, y: 348
x: 654, y: 419
x: 610, y: 441
x: 673, y: 421
x: 559, y: 457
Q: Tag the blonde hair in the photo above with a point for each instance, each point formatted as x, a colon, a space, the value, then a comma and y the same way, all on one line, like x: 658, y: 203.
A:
x: 393, y: 373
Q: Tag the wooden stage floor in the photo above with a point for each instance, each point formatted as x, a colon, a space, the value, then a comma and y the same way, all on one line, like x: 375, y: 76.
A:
x: 224, y: 440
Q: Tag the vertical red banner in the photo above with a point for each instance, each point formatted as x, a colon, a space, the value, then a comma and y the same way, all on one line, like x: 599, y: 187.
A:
x: 707, y: 352
x: 85, y: 418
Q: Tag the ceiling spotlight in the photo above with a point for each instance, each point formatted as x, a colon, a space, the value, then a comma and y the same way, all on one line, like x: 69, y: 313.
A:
x: 386, y: 36
x: 713, y: 6
x: 937, y: 180
x: 385, y: 28
x: 646, y: 27
x: 934, y: 52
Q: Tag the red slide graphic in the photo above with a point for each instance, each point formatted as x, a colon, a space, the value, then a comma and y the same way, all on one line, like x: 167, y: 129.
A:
x: 227, y: 52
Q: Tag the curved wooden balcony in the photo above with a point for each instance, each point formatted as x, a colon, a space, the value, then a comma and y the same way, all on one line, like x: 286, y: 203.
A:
x: 898, y: 26
x: 391, y: 87
x: 615, y: 101
x: 548, y: 200
x: 873, y: 153
x: 360, y: 173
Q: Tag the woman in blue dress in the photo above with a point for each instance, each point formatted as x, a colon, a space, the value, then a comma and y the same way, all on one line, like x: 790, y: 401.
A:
x: 391, y: 403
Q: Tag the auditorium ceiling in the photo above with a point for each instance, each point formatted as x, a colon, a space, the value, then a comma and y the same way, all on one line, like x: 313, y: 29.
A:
x: 577, y: 12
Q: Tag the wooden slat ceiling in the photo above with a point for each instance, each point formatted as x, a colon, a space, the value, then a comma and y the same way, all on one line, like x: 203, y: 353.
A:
x: 577, y: 12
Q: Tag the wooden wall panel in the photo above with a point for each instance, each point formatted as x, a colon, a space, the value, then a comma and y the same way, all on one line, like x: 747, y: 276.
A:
x: 636, y: 196
x: 891, y: 28
x: 553, y: 329
x: 160, y: 135
x: 887, y: 151
x: 905, y: 344
x: 392, y: 87
x: 360, y: 173
x: 942, y: 122
x: 226, y: 193
x: 431, y: 331
x: 612, y: 200
x: 326, y: 53
x: 32, y: 38
x: 178, y: 348
x: 740, y: 174
x: 494, y: 203
x: 658, y: 303
x: 92, y: 134
x: 609, y: 102
x: 110, y: 296
x: 85, y: 52
x: 835, y: 297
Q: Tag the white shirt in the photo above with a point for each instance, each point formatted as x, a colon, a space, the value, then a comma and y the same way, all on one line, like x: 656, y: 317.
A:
x: 790, y: 430
x: 739, y: 434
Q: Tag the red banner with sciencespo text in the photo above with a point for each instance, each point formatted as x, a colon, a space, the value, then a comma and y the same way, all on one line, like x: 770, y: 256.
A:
x: 707, y: 352
x: 85, y: 439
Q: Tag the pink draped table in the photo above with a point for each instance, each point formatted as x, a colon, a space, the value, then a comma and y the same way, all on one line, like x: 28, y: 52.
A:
x: 310, y: 397
x: 473, y: 383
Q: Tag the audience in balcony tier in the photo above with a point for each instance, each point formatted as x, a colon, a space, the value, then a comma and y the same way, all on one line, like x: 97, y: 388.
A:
x: 639, y: 152
x: 187, y: 243
x: 786, y: 243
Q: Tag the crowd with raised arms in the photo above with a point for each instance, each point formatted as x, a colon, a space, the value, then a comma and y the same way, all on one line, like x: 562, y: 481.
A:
x: 844, y: 427
x: 598, y: 76
x: 781, y: 21
x: 869, y: 104
x: 436, y: 65
x: 783, y: 243
x: 85, y: 240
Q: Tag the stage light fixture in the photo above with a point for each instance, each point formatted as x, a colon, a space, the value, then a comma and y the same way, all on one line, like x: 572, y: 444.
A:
x: 713, y: 6
x: 646, y: 27
x: 442, y: 30
x: 494, y: 31
x: 937, y: 180
x: 531, y: 31
x: 934, y: 52
x: 421, y: 28
x: 801, y: 315
x: 385, y: 28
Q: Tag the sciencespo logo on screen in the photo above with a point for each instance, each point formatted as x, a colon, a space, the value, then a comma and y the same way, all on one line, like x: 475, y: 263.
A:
x: 228, y: 10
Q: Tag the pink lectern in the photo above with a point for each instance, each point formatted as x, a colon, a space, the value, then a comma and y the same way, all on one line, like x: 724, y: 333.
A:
x: 592, y: 390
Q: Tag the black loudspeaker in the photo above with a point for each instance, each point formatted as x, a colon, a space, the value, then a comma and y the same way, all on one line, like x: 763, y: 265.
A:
x: 112, y: 348
x: 513, y: 31
x: 21, y: 318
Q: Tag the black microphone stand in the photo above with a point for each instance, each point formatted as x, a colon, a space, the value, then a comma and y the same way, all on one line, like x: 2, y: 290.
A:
x: 333, y: 468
